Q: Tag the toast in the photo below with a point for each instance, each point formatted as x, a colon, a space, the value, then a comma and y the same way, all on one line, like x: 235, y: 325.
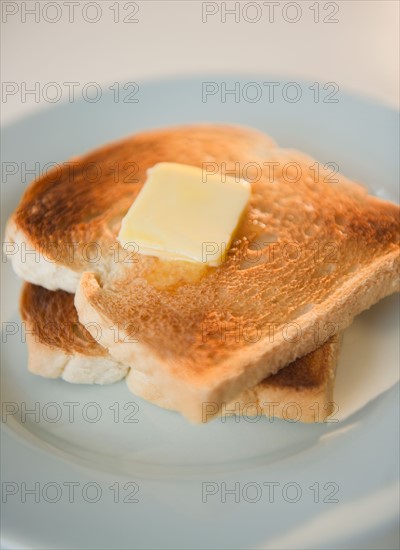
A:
x: 59, y: 346
x: 67, y: 220
x: 202, y: 334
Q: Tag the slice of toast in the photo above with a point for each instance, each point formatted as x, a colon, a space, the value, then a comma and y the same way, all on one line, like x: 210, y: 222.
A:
x: 326, y: 251
x: 186, y: 334
x: 67, y: 220
x: 60, y: 346
x: 302, y: 391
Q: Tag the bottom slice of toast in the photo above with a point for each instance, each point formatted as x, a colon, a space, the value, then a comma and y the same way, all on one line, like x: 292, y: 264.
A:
x: 60, y: 346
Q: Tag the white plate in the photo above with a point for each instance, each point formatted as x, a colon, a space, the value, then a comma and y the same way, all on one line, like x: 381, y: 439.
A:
x: 336, y: 483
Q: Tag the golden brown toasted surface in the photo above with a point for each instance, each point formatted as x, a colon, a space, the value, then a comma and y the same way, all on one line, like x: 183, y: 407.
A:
x: 84, y: 200
x: 312, y: 371
x: 318, y: 241
x: 53, y: 318
x: 303, y: 391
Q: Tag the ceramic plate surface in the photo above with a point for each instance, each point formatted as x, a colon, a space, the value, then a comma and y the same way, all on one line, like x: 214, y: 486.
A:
x: 111, y: 471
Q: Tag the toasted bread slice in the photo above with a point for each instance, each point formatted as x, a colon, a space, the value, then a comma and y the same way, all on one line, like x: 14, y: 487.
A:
x: 207, y: 334
x: 184, y: 334
x: 70, y: 216
x: 302, y: 391
x: 59, y: 346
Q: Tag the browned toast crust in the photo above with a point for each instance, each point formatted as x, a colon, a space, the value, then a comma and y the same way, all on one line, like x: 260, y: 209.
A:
x: 53, y: 317
x: 84, y: 200
x: 53, y: 320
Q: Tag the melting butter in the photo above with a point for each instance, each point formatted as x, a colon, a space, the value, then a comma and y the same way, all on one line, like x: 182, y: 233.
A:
x: 182, y: 213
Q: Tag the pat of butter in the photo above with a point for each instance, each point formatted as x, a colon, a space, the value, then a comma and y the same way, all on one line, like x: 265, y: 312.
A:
x: 183, y: 214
